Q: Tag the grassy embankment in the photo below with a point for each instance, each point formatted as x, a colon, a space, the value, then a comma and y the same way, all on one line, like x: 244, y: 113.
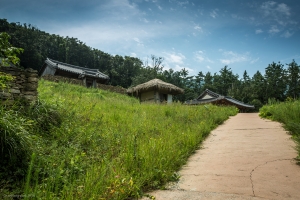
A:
x: 288, y: 113
x: 103, y: 145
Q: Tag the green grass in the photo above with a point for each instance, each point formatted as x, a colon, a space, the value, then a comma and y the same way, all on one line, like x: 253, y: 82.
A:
x: 288, y: 113
x: 94, y: 144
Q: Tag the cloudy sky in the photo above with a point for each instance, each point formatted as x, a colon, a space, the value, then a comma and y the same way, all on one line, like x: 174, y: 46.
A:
x: 199, y: 35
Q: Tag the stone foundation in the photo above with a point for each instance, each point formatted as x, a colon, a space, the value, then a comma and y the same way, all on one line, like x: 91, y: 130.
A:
x: 23, y: 87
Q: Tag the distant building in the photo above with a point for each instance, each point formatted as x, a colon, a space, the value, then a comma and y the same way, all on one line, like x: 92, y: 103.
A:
x: 155, y: 91
x: 211, y: 97
x: 90, y: 77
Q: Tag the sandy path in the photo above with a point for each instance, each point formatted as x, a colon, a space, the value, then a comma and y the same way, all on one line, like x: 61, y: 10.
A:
x: 245, y: 158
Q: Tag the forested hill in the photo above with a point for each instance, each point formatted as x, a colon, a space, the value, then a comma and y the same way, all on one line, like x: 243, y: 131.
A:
x: 279, y: 81
x: 38, y: 45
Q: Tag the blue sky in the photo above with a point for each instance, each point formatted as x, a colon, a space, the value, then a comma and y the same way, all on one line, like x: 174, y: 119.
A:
x: 199, y: 35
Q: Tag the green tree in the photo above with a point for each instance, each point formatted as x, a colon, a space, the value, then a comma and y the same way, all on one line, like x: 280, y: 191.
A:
x: 8, y: 53
x: 209, y: 82
x: 275, y: 77
x: 245, y: 88
x: 293, y: 80
x: 225, y: 81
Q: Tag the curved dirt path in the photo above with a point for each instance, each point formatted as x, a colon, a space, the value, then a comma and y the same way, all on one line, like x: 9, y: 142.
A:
x: 245, y: 158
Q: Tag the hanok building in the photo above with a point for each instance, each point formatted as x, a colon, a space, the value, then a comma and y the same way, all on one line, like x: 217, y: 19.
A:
x: 90, y: 77
x: 155, y: 91
x: 211, y: 97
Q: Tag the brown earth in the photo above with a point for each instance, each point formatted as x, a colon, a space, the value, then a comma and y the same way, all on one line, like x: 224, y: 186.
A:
x: 245, y: 158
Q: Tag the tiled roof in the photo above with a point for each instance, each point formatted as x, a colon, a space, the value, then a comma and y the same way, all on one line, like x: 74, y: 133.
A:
x: 75, y: 69
x: 217, y: 97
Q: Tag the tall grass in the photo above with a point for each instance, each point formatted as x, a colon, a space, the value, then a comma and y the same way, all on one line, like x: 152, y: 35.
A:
x: 287, y: 113
x: 109, y: 146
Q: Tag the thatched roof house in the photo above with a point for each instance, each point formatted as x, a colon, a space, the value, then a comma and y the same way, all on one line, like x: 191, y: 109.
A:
x: 211, y: 97
x: 90, y: 77
x: 156, y: 91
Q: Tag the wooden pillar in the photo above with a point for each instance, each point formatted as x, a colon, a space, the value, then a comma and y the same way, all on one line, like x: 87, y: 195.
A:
x: 84, y: 81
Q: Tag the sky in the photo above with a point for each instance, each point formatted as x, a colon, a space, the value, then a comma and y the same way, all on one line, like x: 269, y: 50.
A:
x: 198, y: 35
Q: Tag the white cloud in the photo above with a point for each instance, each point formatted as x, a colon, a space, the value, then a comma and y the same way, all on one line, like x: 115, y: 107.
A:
x: 226, y: 61
x: 267, y: 7
x: 254, y: 61
x: 200, y: 56
x: 287, y: 34
x: 214, y: 13
x: 284, y: 9
x: 145, y: 20
x: 231, y: 57
x: 133, y: 55
x: 179, y: 68
x: 183, y: 3
x: 139, y: 43
x: 198, y: 28
x: 278, y: 16
x: 208, y: 67
x: 173, y: 57
x: 137, y: 40
x: 120, y: 8
x: 274, y: 29
x: 258, y: 31
x: 159, y: 7
x: 273, y: 8
x: 276, y: 12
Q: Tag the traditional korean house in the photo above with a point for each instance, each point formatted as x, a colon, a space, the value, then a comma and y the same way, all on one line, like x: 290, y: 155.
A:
x: 155, y: 91
x: 211, y: 97
x: 90, y: 77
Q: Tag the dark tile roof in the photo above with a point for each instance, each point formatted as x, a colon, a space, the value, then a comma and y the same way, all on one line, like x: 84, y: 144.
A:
x: 215, y: 98
x: 76, y: 69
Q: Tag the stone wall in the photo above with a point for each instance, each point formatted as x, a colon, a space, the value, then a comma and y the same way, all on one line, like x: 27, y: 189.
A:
x: 117, y: 89
x: 24, y: 86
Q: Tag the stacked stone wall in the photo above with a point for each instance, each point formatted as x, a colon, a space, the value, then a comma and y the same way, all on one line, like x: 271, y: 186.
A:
x: 23, y: 87
x: 117, y: 89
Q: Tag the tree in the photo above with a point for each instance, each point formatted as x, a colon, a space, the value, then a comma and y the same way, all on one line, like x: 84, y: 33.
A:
x: 225, y: 81
x: 208, y: 82
x: 148, y: 73
x: 275, y: 77
x: 293, y: 80
x: 245, y: 88
x: 8, y: 53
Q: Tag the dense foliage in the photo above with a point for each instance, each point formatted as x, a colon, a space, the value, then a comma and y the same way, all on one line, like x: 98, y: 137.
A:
x: 8, y: 54
x: 93, y: 144
x: 287, y: 113
x: 279, y: 81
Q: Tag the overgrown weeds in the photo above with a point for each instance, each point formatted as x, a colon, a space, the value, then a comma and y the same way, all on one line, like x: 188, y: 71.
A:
x: 288, y: 113
x: 103, y: 145
x: 21, y: 128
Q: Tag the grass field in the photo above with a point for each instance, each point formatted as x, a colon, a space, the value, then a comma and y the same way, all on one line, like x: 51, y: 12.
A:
x: 93, y: 144
x: 288, y: 113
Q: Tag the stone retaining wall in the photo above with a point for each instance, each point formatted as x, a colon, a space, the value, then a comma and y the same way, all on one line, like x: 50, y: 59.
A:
x: 24, y: 86
x: 117, y: 89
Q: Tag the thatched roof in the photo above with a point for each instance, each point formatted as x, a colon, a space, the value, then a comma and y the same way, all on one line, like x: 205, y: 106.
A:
x: 156, y: 84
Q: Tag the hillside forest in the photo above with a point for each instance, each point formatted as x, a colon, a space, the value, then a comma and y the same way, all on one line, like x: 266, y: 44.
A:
x: 278, y: 82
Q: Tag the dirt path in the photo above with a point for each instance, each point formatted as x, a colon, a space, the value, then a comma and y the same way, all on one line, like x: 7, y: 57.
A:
x: 245, y: 158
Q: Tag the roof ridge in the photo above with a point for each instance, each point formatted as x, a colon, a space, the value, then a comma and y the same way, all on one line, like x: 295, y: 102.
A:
x: 74, y: 66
